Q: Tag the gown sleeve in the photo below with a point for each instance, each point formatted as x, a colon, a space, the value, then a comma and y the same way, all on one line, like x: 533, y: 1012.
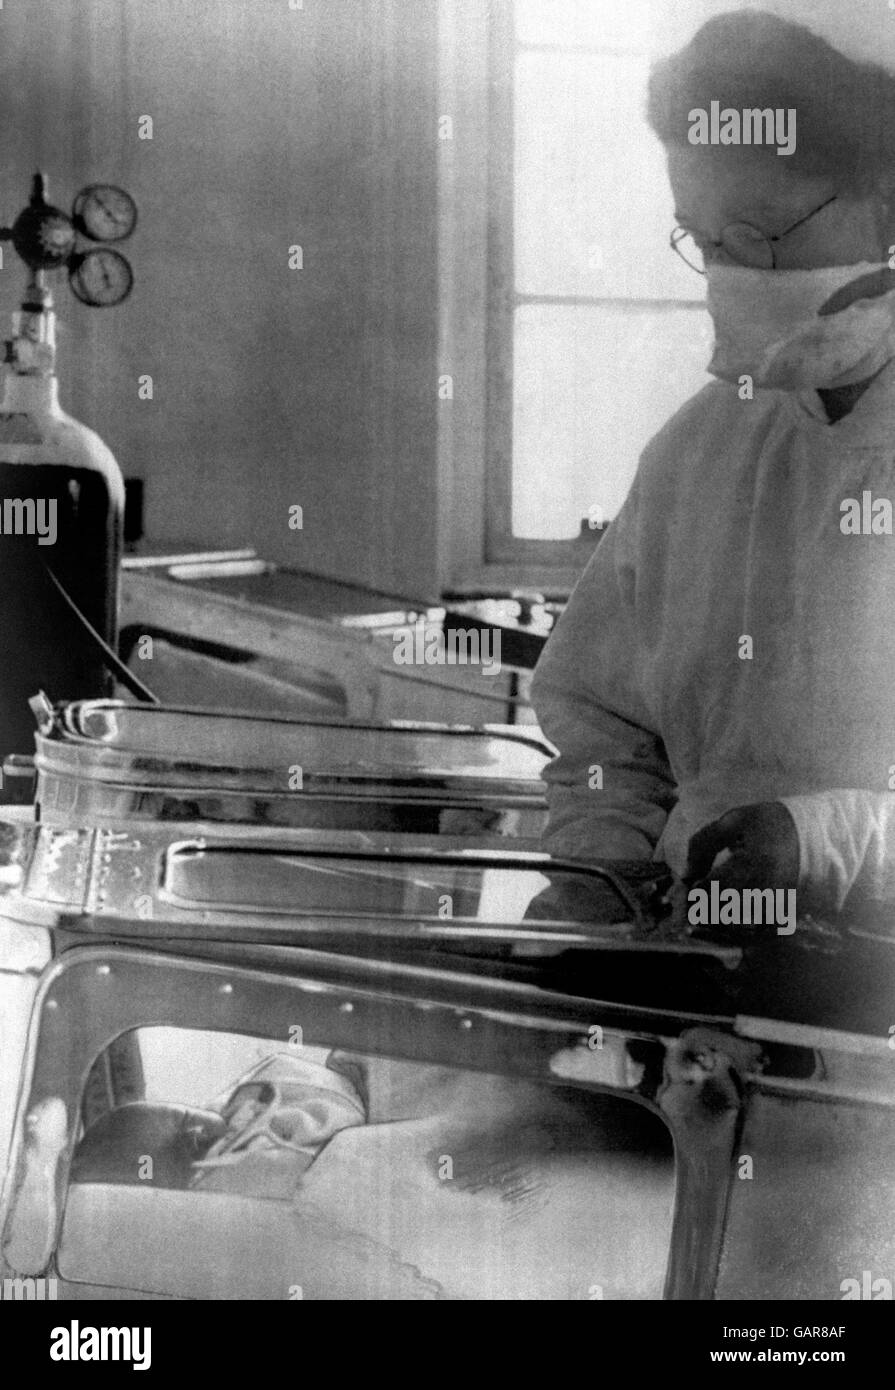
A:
x: 610, y: 789
x: 846, y: 845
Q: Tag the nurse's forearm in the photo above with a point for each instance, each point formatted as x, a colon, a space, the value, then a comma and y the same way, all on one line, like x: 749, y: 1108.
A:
x: 610, y: 790
x: 611, y: 787
x: 588, y: 824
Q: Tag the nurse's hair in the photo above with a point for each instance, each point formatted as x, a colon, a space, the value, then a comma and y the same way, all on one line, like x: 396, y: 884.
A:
x: 845, y: 111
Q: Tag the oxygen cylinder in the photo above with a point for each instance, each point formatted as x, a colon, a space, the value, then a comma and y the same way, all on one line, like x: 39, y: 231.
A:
x: 61, y: 522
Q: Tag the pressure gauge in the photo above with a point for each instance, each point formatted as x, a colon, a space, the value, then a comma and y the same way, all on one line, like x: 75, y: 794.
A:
x: 46, y: 240
x: 104, y: 212
x: 100, y: 278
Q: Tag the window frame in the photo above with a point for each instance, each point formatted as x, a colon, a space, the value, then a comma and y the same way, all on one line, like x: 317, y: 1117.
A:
x: 476, y: 307
x: 477, y: 304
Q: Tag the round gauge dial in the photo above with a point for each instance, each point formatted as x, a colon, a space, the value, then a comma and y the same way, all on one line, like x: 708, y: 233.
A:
x: 104, y: 212
x: 101, y: 278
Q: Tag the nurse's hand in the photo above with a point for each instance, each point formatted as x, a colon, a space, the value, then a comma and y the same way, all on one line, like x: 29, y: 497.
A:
x: 760, y: 844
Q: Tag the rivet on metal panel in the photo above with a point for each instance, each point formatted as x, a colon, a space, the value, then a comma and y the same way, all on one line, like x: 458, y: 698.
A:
x: 465, y: 1022
x: 346, y: 1008
x: 225, y: 989
x: 104, y: 970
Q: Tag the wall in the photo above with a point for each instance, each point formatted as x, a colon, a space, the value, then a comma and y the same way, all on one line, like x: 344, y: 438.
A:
x: 272, y: 127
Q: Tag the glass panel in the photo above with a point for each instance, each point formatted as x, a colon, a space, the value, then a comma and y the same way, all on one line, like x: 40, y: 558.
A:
x: 593, y: 210
x: 293, y: 1171
x: 247, y: 881
x: 588, y: 23
x: 592, y: 385
x: 137, y: 738
x: 215, y: 1059
x: 661, y: 26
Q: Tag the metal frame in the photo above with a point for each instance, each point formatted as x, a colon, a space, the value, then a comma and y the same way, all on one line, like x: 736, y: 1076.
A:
x: 725, y: 1084
x: 66, y: 723
x: 718, y: 1082
x: 356, y: 658
x: 157, y: 770
x: 117, y: 882
x: 91, y: 996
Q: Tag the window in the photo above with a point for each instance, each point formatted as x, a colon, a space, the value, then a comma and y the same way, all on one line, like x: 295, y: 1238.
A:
x: 595, y: 333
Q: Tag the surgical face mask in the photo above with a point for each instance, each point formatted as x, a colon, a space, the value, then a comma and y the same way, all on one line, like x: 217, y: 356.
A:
x: 768, y: 327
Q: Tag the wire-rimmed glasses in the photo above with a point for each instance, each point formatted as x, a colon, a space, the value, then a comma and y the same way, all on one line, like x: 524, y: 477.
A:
x: 744, y: 244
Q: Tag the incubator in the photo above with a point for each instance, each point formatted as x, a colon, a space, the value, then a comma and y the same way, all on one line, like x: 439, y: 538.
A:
x: 272, y: 1064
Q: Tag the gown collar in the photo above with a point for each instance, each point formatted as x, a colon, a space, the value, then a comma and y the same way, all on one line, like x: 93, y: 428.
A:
x: 869, y: 423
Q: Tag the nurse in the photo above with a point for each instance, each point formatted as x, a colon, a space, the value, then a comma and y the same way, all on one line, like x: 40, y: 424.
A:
x: 721, y: 685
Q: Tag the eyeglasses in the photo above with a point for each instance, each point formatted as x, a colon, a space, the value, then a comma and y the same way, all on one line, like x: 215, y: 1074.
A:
x: 743, y: 243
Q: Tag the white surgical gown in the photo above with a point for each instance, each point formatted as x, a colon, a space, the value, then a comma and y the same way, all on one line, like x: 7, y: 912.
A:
x: 664, y: 716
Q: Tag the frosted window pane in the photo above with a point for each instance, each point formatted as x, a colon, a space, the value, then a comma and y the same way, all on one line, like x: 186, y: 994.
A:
x: 586, y: 23
x: 593, y: 210
x: 592, y: 385
x: 663, y: 26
